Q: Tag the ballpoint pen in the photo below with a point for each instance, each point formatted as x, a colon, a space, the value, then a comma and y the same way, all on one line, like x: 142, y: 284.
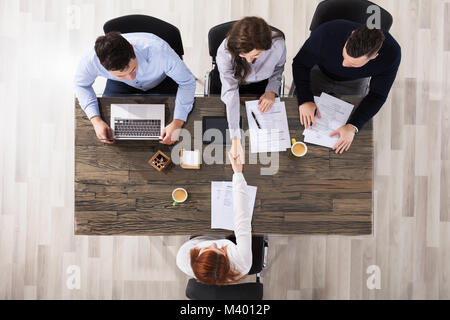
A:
x: 257, y: 123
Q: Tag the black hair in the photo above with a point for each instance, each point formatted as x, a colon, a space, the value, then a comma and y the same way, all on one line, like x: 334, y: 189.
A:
x: 114, y: 51
x: 364, y: 41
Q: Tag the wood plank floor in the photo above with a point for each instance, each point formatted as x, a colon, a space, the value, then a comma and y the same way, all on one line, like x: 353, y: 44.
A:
x: 40, y: 43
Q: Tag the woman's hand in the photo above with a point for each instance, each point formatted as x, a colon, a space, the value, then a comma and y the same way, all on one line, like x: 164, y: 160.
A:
x: 266, y: 101
x: 236, y: 150
x: 236, y: 164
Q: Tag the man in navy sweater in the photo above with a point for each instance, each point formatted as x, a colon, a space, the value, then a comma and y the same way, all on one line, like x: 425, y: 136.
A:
x: 341, y: 52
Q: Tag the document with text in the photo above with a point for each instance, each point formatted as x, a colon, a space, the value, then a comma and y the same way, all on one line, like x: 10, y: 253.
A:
x: 222, y: 204
x: 334, y: 114
x: 269, y: 131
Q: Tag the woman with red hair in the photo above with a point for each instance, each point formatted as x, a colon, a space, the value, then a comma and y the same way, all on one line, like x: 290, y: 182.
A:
x: 217, y: 261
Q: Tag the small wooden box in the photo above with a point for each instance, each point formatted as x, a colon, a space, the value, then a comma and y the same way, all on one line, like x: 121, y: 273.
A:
x: 160, y: 161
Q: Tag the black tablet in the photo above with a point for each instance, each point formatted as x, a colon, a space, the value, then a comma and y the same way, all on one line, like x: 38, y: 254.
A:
x: 221, y: 124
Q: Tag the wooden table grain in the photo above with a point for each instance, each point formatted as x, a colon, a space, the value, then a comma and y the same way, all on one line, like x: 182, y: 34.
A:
x: 118, y: 193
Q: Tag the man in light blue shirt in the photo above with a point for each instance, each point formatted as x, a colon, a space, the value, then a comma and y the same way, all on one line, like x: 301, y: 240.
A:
x: 139, y: 62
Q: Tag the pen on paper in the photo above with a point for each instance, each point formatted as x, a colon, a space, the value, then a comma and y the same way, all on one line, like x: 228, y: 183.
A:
x: 257, y: 123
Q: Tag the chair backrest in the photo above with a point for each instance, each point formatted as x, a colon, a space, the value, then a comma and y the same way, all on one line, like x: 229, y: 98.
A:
x: 143, y: 23
x: 353, y: 10
x: 242, y: 291
x: 218, y: 33
x: 258, y: 244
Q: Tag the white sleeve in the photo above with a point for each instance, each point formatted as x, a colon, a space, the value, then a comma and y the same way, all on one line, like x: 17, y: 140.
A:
x: 242, y: 221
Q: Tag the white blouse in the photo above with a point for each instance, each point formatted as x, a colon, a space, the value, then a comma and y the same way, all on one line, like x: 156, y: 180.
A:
x: 239, y: 254
x: 270, y: 65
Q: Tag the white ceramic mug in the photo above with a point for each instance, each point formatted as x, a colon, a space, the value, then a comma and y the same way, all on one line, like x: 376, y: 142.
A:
x: 294, y: 143
x: 175, y: 202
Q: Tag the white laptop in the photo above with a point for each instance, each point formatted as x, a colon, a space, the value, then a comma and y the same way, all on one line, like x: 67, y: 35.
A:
x: 137, y: 121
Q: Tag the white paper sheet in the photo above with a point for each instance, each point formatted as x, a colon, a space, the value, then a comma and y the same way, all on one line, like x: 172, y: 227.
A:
x: 334, y: 114
x: 274, y: 133
x: 222, y: 204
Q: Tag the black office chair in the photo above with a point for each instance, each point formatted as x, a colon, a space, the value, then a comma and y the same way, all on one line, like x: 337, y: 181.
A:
x: 142, y: 23
x: 352, y: 10
x: 241, y: 291
x: 164, y: 30
x: 216, y: 35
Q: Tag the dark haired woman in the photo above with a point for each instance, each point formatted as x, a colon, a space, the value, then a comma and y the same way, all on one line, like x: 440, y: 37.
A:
x: 217, y: 261
x: 251, y: 53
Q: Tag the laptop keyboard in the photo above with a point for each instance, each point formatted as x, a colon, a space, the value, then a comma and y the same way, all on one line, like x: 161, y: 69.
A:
x: 137, y: 128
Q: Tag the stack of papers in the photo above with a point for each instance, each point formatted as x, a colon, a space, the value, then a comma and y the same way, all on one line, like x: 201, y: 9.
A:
x: 273, y: 134
x: 190, y: 159
x: 335, y: 114
x: 222, y: 204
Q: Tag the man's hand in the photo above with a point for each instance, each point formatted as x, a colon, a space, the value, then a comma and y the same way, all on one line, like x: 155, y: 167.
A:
x: 237, y: 152
x: 346, y: 135
x: 102, y: 130
x: 266, y: 101
x: 170, y: 134
x: 236, y: 164
x: 306, y: 111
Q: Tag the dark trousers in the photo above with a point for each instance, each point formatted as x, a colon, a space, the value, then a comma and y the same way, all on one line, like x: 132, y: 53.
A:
x: 117, y: 88
x: 257, y: 88
x: 320, y: 82
x: 251, y: 89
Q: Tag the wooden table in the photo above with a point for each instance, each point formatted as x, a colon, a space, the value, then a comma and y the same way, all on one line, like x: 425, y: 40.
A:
x: 118, y: 193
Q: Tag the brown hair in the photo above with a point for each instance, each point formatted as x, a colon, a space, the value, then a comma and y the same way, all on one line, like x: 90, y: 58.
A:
x: 247, y: 34
x: 364, y: 41
x: 114, y: 51
x: 213, y: 268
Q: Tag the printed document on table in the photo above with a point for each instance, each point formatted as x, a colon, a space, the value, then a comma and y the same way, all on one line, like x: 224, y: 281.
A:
x: 274, y: 133
x: 334, y: 114
x: 222, y: 204
x: 320, y: 133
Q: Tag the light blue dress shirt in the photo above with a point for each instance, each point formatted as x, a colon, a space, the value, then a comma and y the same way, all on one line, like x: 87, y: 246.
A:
x: 156, y: 60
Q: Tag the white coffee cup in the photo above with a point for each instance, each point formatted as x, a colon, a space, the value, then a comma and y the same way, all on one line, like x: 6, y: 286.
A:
x: 294, y: 143
x: 179, y: 201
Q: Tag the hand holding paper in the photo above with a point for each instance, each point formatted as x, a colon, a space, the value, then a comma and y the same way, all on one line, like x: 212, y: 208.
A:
x: 269, y: 131
x: 266, y: 101
x: 306, y: 112
x: 346, y: 134
x: 327, y: 129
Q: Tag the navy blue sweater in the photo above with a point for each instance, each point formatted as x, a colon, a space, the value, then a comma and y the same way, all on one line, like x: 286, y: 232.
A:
x: 324, y: 48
